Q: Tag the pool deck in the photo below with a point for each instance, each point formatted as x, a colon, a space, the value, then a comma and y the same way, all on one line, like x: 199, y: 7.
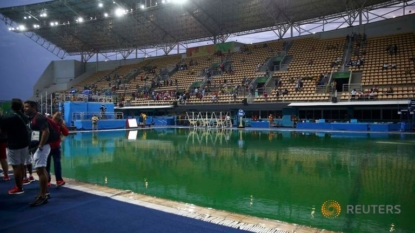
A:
x: 234, y: 220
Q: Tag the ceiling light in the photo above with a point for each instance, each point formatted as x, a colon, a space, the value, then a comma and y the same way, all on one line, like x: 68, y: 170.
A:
x: 142, y: 6
x: 100, y: 4
x: 22, y: 27
x: 105, y: 15
x: 119, y: 12
x: 179, y: 1
x: 80, y: 20
x: 25, y: 17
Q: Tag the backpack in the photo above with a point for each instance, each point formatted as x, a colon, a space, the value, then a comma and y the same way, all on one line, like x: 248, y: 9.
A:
x: 54, y: 129
x: 28, y: 130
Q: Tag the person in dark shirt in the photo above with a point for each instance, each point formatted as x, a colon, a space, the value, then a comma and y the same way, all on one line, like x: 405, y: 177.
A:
x: 40, y: 137
x: 14, y: 126
x: 3, y: 153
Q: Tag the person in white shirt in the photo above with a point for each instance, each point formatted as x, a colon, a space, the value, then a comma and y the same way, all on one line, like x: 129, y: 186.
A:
x: 353, y: 93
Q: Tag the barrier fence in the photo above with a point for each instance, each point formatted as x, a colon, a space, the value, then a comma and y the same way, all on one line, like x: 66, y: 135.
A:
x: 101, y: 115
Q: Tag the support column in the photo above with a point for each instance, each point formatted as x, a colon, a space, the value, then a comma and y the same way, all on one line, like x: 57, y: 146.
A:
x: 96, y: 64
x: 292, y: 31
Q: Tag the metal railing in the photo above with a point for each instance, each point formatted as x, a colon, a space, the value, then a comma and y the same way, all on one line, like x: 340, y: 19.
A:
x: 101, y: 115
x: 322, y: 88
x: 82, y: 97
x: 350, y: 87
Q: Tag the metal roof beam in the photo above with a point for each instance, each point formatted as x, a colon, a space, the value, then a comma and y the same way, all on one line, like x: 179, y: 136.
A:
x: 209, y: 17
x: 52, y: 48
x: 210, y: 31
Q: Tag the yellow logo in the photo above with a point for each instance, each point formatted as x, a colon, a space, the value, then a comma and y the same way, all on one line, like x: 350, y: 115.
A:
x: 331, y: 209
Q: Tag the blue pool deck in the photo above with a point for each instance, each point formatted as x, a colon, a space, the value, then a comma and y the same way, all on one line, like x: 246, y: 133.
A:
x: 82, y: 207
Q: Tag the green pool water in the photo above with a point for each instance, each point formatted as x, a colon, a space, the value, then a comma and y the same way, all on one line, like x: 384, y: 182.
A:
x: 280, y: 175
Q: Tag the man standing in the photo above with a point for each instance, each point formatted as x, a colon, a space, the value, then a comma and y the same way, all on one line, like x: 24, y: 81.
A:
x: 40, y: 137
x: 14, y: 125
x: 94, y: 122
x: 55, y: 151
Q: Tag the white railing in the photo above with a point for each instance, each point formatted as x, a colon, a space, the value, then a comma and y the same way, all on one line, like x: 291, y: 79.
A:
x: 101, y: 115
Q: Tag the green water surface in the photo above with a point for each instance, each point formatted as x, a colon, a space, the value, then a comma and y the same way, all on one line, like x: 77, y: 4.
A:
x: 278, y: 175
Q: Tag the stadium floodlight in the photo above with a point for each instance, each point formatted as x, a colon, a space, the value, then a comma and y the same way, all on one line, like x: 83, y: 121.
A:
x: 119, y: 12
x: 179, y: 1
x: 100, y: 4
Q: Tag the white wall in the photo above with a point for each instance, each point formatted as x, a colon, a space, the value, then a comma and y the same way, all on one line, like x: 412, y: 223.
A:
x: 45, y: 80
x: 110, y: 65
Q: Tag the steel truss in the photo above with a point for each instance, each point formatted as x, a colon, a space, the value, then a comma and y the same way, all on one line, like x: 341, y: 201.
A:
x: 121, y: 36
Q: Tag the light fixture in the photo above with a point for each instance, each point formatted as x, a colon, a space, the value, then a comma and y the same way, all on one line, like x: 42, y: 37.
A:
x: 119, y: 12
x: 105, y: 15
x: 22, y: 27
x: 25, y: 17
x: 100, y: 4
x: 179, y: 1
x: 142, y: 6
x: 80, y: 20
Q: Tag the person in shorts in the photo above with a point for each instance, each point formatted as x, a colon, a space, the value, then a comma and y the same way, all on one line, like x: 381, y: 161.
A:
x: 95, y: 122
x: 14, y: 125
x: 40, y: 137
x: 3, y: 155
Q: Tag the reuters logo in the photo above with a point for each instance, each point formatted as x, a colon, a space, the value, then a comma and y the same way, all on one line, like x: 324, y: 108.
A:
x: 331, y: 209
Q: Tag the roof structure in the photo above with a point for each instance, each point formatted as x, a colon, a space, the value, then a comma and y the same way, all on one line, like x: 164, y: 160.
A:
x: 101, y: 26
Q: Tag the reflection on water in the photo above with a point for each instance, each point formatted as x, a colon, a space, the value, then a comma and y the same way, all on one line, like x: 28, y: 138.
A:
x: 274, y: 174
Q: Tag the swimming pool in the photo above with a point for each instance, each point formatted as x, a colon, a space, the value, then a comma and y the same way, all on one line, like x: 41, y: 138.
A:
x: 336, y: 181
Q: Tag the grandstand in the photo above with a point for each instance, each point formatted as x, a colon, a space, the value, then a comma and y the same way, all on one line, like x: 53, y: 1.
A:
x: 299, y: 67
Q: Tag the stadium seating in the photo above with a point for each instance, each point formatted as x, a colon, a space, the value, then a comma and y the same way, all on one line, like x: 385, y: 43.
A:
x: 310, y: 58
x: 375, y: 55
